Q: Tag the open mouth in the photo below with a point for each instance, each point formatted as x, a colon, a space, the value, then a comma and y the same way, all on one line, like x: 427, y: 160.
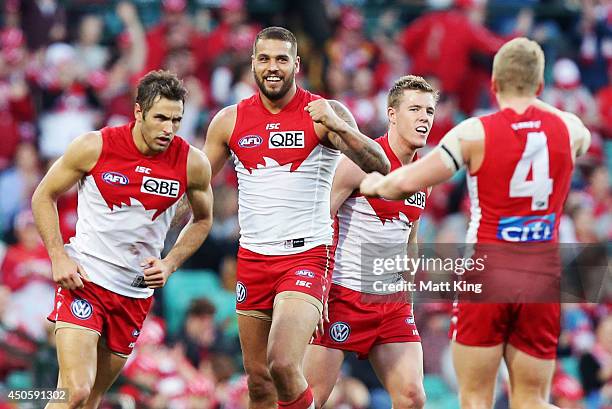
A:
x: 163, y: 140
x: 273, y: 79
x: 422, y: 130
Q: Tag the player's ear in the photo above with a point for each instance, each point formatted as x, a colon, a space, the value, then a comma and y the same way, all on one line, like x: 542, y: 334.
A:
x: 297, y: 64
x: 493, y: 85
x: 540, y: 88
x: 137, y: 112
x: 392, y: 115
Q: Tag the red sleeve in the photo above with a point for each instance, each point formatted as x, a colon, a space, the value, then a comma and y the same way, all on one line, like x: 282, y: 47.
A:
x: 22, y: 108
x: 8, y: 269
x: 484, y: 40
x: 415, y: 33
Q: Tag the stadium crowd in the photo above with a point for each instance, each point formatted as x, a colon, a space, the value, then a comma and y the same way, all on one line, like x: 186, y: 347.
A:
x: 68, y: 67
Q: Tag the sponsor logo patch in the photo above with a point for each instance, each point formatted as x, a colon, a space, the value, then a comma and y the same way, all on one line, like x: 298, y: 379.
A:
x: 339, y: 331
x: 160, y: 187
x: 526, y: 229
x: 241, y: 292
x: 135, y: 333
x: 250, y: 141
x: 81, y: 309
x: 286, y: 139
x: 115, y: 178
x: 417, y: 200
x: 410, y: 320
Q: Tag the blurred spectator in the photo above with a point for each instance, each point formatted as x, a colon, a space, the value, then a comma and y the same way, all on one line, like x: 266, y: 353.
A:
x: 18, y: 183
x: 596, y: 368
x: 568, y: 94
x: 42, y: 21
x: 604, y: 104
x: 26, y: 271
x: 441, y: 44
x: 363, y: 104
x: 88, y: 48
x: 69, y: 101
x: 225, y: 227
x: 16, y: 107
x: 349, y: 49
x: 566, y: 392
x: 595, y: 29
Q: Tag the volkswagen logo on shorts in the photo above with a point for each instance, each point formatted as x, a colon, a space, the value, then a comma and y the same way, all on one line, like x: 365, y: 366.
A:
x: 81, y: 309
x: 241, y: 292
x: 410, y: 320
x: 339, y: 331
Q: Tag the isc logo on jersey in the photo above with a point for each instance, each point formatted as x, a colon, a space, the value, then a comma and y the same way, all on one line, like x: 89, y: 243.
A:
x: 286, y: 139
x: 115, y: 178
x: 416, y: 200
x: 526, y: 229
x: 160, y: 187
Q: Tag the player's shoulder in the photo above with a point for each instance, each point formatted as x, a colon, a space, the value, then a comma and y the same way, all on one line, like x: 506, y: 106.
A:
x: 223, y: 122
x: 198, y: 166
x: 84, y: 151
x: 469, y: 129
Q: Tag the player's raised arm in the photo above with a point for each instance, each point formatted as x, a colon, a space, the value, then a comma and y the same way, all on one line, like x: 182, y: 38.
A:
x: 347, y: 178
x: 200, y: 197
x: 219, y: 132
x: 462, y: 145
x: 79, y: 158
x: 342, y: 132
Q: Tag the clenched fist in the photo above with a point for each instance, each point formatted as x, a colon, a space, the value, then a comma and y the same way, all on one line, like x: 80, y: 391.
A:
x: 321, y: 112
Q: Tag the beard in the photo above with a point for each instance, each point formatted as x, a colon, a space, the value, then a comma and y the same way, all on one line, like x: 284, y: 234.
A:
x: 288, y: 82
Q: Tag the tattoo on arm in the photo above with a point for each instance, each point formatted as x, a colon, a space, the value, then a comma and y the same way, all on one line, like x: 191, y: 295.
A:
x: 366, y: 153
x: 183, y: 212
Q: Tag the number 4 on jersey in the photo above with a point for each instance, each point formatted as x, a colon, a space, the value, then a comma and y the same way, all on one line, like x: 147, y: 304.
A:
x: 535, y: 158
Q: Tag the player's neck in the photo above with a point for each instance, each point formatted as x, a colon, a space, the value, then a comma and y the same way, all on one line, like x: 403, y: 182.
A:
x: 518, y: 104
x: 400, y: 147
x: 275, y: 106
x: 139, y: 141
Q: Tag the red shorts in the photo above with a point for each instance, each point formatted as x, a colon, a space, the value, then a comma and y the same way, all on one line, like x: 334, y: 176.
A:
x: 533, y: 328
x: 116, y: 317
x: 260, y: 277
x: 358, y: 321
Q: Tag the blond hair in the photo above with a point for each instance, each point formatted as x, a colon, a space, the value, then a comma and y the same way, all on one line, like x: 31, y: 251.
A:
x: 518, y: 67
x: 408, y: 82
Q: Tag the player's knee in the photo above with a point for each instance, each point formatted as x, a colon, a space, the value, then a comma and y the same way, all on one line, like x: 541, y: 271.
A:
x: 283, y: 370
x: 528, y: 401
x: 261, y: 386
x: 411, y: 396
x: 78, y: 395
x: 475, y: 402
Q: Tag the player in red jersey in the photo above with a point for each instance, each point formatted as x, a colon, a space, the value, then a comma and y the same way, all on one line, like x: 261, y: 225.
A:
x: 364, y: 315
x: 285, y: 143
x: 130, y: 180
x: 519, y: 161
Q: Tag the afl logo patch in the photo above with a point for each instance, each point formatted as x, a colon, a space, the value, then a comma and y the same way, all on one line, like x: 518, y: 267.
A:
x: 115, y: 178
x: 241, y: 292
x: 250, y: 141
x: 81, y: 309
x: 305, y: 273
x: 339, y: 331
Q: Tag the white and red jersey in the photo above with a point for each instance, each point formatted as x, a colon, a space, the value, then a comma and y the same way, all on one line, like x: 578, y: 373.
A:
x: 517, y: 194
x: 378, y: 223
x: 126, y: 204
x: 284, y: 177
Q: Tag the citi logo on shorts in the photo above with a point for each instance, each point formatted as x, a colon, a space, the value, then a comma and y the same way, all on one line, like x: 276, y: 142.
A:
x: 160, y: 187
x: 250, y: 141
x: 526, y: 229
x: 115, y: 178
x: 339, y: 331
x: 305, y: 273
x: 241, y: 292
x: 286, y: 139
x: 81, y: 309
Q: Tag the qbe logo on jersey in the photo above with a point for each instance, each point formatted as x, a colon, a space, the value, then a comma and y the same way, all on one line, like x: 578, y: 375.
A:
x: 339, y: 331
x: 417, y: 200
x: 526, y: 229
x: 81, y: 309
x: 286, y: 139
x: 160, y: 187
x: 241, y: 292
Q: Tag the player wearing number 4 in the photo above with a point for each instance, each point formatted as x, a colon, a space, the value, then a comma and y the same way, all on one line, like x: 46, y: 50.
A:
x: 130, y: 180
x: 519, y: 161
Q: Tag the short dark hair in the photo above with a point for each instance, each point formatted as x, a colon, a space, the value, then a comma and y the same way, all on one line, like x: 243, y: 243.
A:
x: 200, y: 307
x: 162, y: 84
x: 409, y: 82
x: 276, y: 33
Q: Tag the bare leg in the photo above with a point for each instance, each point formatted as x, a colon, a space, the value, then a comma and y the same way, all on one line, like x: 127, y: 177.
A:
x: 254, y: 341
x: 109, y: 368
x: 399, y: 367
x: 77, y: 357
x: 476, y: 369
x: 321, y: 369
x: 530, y: 379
